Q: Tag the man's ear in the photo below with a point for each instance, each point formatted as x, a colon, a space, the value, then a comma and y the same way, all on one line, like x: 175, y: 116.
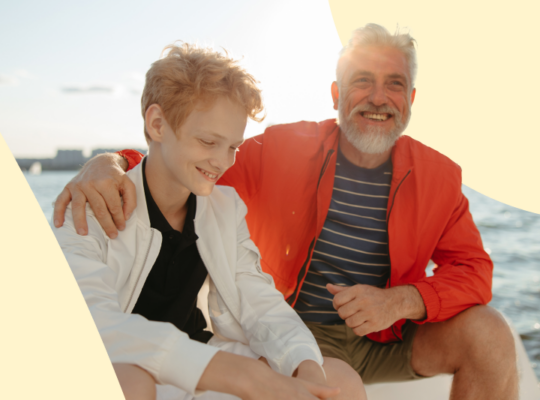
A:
x: 155, y: 122
x: 335, y: 94
x: 413, y: 94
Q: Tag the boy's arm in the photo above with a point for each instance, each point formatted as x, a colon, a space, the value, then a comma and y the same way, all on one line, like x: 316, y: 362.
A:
x: 161, y: 349
x: 273, y: 328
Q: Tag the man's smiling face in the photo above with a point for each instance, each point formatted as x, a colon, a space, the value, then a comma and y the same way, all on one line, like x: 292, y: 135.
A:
x: 374, y: 97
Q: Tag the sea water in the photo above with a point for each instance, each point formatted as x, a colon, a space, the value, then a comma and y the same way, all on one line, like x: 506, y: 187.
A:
x: 510, y: 235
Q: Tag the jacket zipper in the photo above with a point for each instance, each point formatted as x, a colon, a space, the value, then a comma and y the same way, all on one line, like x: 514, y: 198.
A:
x: 303, y: 271
x: 387, y: 230
x: 144, y: 264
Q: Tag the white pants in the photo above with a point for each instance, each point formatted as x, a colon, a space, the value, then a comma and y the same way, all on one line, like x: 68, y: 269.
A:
x: 168, y: 392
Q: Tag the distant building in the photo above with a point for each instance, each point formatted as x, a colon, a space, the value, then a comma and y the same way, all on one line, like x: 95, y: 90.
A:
x: 64, y: 160
x: 67, y: 159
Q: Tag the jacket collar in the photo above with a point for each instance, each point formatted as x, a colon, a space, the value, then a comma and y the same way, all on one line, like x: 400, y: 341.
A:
x: 401, y: 158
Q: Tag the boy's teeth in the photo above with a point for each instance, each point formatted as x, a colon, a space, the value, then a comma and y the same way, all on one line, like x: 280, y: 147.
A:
x: 209, y: 175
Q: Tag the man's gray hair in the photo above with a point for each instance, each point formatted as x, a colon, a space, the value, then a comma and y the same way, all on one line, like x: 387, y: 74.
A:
x: 376, y: 35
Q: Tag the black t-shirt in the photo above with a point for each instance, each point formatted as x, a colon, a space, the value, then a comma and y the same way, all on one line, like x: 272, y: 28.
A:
x: 170, y: 291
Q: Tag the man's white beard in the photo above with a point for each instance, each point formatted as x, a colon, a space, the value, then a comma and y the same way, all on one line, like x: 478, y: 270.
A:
x: 374, y: 140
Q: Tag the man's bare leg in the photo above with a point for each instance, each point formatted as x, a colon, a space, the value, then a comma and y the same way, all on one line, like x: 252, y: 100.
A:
x: 477, y: 347
x: 136, y: 383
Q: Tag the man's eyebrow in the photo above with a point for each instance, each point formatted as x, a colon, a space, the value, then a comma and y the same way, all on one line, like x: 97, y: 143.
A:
x: 361, y: 73
x: 397, y: 76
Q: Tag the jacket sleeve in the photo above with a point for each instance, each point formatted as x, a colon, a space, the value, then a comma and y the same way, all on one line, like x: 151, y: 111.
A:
x: 273, y: 328
x: 133, y: 157
x: 160, y: 348
x: 244, y: 175
x: 464, y: 270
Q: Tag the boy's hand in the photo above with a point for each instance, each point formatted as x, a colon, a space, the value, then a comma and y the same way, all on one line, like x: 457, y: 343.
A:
x: 104, y: 184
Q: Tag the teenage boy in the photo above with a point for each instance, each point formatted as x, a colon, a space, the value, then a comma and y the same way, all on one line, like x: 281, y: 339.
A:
x: 142, y: 287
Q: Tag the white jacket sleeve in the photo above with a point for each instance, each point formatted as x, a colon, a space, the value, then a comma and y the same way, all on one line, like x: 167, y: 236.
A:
x: 273, y: 328
x: 160, y: 348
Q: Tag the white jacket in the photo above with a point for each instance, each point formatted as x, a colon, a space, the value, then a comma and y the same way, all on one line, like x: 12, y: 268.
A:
x: 244, y: 305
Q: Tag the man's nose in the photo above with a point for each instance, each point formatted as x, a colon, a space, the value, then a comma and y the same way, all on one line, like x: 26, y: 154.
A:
x: 378, y: 96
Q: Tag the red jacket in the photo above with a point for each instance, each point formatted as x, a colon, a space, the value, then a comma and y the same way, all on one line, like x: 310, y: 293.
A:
x: 286, y: 175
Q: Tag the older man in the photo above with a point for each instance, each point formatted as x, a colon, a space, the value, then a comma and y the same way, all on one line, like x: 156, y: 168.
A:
x: 347, y: 216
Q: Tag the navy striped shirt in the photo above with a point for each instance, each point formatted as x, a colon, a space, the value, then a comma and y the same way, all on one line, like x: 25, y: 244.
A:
x: 353, y: 245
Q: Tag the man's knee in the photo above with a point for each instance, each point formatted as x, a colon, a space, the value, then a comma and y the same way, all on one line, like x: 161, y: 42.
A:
x: 136, y: 383
x: 478, y: 335
x: 483, y: 327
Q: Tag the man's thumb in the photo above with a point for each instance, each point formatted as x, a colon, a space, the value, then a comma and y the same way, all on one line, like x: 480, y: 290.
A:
x: 335, y: 289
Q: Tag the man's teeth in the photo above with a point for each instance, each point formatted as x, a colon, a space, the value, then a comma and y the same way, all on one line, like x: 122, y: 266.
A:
x: 208, y: 174
x: 378, y: 117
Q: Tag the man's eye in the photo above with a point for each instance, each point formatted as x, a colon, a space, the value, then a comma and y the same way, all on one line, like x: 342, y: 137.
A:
x: 206, y: 142
x: 398, y: 83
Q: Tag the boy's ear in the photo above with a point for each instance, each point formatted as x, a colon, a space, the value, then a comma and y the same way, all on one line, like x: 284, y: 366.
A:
x: 155, y: 122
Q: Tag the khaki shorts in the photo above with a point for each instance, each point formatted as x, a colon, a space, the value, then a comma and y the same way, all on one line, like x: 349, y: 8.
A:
x: 375, y: 362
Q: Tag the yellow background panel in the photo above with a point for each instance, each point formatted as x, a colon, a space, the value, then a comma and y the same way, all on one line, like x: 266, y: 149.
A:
x: 478, y: 92
x: 50, y: 347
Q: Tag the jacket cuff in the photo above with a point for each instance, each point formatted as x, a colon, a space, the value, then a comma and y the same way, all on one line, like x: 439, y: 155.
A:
x: 185, y: 365
x: 296, y: 356
x: 431, y: 301
x: 133, y: 157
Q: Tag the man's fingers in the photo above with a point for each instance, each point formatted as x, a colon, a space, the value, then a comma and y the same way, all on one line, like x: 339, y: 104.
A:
x: 364, y: 329
x: 99, y: 207
x: 113, y: 203
x: 356, y: 320
x: 129, y: 195
x: 349, y: 309
x: 78, y: 210
x: 344, y: 296
x: 60, y: 206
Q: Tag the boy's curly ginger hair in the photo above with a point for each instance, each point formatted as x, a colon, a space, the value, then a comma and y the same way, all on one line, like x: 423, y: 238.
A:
x: 190, y: 76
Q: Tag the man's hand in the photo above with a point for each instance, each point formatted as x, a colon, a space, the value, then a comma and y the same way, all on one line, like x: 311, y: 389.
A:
x: 368, y: 309
x: 104, y: 184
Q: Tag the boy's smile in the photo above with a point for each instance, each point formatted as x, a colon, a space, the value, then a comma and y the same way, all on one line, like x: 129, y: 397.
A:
x: 193, y: 159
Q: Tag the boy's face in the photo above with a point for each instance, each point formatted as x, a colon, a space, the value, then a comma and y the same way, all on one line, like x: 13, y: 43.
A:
x: 205, y: 147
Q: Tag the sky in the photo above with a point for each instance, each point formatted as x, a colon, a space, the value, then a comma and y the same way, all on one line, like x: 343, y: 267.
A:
x: 72, y: 73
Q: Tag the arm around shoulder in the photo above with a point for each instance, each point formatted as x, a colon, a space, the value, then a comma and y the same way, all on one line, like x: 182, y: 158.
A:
x: 275, y: 329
